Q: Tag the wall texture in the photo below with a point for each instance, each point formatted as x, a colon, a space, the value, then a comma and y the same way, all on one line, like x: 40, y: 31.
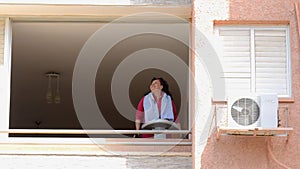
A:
x: 2, y: 21
x: 204, y: 14
x: 252, y: 152
x: 79, y: 162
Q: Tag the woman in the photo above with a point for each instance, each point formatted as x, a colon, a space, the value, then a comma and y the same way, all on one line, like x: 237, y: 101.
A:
x: 156, y: 104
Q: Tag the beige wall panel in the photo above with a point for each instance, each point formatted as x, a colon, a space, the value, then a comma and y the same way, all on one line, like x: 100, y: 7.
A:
x: 2, y: 25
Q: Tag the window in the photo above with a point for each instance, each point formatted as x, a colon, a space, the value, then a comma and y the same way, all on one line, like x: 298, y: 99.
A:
x: 45, y: 54
x: 256, y: 59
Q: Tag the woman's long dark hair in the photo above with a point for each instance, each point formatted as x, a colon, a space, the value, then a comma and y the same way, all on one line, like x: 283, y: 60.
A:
x: 165, y: 85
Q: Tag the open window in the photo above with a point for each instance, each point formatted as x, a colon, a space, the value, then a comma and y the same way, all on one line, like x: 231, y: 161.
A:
x: 40, y: 47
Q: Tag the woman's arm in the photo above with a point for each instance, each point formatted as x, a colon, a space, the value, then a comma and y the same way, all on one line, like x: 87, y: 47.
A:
x: 139, y: 114
x: 174, y: 111
x: 176, y: 118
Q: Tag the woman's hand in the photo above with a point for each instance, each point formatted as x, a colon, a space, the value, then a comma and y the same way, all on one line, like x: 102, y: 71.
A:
x: 137, y: 124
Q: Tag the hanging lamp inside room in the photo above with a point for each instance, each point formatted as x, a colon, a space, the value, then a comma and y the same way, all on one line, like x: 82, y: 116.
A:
x: 53, y: 93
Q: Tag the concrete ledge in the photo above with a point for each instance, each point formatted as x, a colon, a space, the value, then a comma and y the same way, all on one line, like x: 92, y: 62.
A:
x: 93, y: 150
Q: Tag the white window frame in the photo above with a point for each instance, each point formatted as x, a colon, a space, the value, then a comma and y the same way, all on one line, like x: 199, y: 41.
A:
x: 252, y: 47
x: 5, y: 77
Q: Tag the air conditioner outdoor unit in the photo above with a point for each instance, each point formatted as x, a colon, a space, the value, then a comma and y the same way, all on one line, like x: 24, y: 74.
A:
x: 253, y: 111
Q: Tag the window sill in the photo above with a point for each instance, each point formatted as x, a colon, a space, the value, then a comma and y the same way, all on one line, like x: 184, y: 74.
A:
x: 286, y: 100
x: 89, y: 147
x: 280, y: 100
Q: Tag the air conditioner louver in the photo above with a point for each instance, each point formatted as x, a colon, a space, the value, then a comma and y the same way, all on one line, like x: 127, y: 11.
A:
x: 245, y: 111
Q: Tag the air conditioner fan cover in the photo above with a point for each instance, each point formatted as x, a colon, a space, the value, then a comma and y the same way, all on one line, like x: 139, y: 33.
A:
x: 245, y: 111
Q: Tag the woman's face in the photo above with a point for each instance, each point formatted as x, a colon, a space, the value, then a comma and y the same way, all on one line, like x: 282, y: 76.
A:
x: 155, y: 85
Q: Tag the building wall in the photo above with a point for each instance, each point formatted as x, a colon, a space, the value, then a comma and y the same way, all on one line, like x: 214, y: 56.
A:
x: 252, y: 152
x: 2, y: 21
x: 204, y: 14
x: 232, y: 152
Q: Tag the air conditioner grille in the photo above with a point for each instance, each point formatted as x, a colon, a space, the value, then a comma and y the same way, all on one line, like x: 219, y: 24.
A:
x: 245, y: 111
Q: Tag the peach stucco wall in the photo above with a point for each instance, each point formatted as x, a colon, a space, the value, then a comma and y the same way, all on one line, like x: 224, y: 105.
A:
x: 251, y: 152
